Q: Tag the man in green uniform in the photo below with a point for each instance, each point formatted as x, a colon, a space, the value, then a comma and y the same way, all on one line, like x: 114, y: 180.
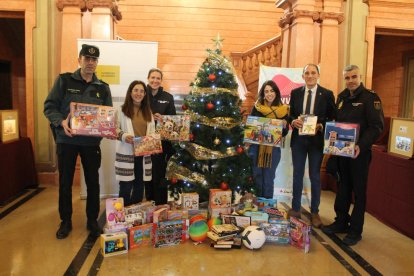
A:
x: 81, y: 86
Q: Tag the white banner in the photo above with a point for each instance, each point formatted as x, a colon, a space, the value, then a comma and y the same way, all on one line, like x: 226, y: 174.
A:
x: 121, y: 61
x: 286, y: 79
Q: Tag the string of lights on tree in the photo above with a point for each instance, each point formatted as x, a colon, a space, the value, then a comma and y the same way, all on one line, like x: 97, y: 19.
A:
x: 215, y: 156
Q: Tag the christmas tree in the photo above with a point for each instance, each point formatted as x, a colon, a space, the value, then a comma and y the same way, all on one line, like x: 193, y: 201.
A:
x: 215, y: 156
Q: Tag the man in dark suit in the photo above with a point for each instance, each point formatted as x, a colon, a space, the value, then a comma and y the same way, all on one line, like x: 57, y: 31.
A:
x: 310, y: 99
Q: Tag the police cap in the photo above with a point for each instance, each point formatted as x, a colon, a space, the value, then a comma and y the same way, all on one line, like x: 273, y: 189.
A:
x: 89, y: 51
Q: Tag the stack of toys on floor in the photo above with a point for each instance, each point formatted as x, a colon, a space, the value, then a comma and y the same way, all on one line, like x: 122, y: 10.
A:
x: 249, y: 221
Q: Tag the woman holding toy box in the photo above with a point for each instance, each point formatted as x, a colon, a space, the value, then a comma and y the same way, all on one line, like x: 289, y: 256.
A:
x: 134, y: 118
x: 266, y: 158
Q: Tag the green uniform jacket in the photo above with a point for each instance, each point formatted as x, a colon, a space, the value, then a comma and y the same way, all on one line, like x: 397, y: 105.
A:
x: 70, y: 87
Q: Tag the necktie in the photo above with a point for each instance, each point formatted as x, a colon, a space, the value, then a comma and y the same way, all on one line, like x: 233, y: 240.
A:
x: 308, y: 102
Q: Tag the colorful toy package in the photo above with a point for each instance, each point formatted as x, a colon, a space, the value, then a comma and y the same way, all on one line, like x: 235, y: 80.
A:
x: 114, y: 244
x: 115, y: 213
x: 219, y: 198
x: 189, y: 201
x: 340, y: 138
x: 263, y: 131
x: 167, y: 233
x: 140, y: 235
x: 266, y: 202
x: 300, y: 234
x: 174, y: 127
x: 92, y: 120
x: 276, y: 232
x: 147, y: 145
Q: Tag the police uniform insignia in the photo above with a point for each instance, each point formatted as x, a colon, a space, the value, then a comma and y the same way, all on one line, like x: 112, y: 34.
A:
x: 97, y: 94
x: 340, y: 104
x: 377, y: 105
x: 91, y: 51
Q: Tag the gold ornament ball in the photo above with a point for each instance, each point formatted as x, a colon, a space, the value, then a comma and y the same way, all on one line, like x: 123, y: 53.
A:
x: 217, y: 141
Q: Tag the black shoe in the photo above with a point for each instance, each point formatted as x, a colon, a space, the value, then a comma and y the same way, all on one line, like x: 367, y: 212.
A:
x: 93, y: 227
x: 352, y: 239
x: 64, y: 229
x: 335, y: 227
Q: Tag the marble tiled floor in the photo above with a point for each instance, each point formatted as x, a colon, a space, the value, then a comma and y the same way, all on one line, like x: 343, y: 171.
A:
x: 29, y: 247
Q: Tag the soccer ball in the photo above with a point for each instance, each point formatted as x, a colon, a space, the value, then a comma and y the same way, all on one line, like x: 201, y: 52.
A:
x: 253, y: 237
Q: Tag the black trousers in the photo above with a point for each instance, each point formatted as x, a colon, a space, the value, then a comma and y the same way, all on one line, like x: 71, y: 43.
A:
x: 91, y: 162
x: 354, y: 177
x: 159, y: 186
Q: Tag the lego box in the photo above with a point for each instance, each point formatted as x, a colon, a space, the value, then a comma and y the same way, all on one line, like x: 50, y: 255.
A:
x: 92, y: 120
x: 340, y: 138
x: 114, y: 244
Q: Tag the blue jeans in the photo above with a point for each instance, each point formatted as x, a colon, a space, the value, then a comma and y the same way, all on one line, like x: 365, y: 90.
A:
x: 264, y: 177
x: 133, y: 191
x: 302, y: 149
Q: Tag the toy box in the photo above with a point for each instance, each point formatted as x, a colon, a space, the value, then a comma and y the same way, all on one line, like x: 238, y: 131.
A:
x: 134, y: 208
x: 137, y: 218
x: 92, y: 120
x: 340, y: 138
x: 174, y: 127
x: 140, y: 235
x: 115, y: 212
x: 219, y: 198
x: 309, y: 124
x: 114, y: 244
x: 120, y: 227
x: 300, y: 234
x: 177, y: 214
x: 217, y: 212
x: 264, y: 131
x: 189, y: 201
x: 167, y: 233
x: 147, y: 145
x: 276, y: 232
x: 159, y: 215
x: 257, y: 217
x: 240, y: 221
x: 276, y: 214
x: 266, y: 202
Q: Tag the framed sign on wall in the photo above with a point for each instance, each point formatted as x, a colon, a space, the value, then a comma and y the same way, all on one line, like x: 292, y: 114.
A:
x: 9, y: 125
x: 401, y: 137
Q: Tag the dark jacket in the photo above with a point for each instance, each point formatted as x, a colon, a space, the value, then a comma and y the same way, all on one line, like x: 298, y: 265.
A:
x: 364, y: 108
x: 324, y: 108
x: 70, y: 87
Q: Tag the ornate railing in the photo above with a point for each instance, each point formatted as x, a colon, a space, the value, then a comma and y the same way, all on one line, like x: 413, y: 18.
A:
x: 268, y: 53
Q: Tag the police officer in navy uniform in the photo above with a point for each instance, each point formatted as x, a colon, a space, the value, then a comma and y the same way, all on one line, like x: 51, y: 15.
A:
x: 81, y: 86
x: 162, y: 103
x: 355, y: 104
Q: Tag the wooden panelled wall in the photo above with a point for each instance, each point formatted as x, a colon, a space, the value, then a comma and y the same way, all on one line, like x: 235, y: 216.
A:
x: 388, y: 73
x: 184, y: 29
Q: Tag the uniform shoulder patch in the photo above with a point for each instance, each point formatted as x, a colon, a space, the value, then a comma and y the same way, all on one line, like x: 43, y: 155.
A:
x: 372, y: 91
x: 377, y: 105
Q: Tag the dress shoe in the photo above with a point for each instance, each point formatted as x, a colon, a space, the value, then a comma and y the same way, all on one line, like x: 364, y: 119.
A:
x: 293, y: 213
x: 316, y: 220
x: 93, y: 227
x: 352, y: 239
x: 64, y: 229
x: 335, y: 227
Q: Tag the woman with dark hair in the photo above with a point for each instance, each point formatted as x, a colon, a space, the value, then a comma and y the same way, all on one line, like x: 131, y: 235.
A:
x: 134, y: 118
x: 162, y: 103
x: 266, y: 158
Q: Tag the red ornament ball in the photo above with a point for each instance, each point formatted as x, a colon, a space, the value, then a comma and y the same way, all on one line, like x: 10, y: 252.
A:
x: 191, y: 137
x: 174, y: 180
x: 240, y: 150
x: 184, y: 107
x: 224, y: 185
x: 210, y: 106
x: 212, y: 77
x: 251, y: 178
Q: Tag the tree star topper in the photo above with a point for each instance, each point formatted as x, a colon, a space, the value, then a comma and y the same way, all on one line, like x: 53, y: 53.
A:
x: 218, y: 41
